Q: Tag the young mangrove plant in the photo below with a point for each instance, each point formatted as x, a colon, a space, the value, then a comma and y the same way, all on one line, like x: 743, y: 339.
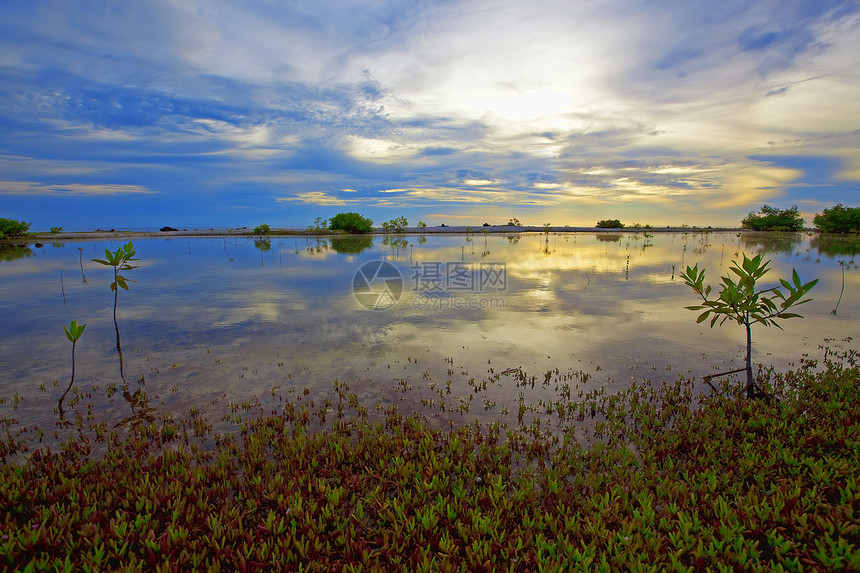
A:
x: 842, y: 292
x: 81, y: 257
x: 120, y: 261
x: 741, y: 302
x: 73, y: 333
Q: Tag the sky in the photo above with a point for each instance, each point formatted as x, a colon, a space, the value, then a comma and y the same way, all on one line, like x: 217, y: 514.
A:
x: 206, y: 113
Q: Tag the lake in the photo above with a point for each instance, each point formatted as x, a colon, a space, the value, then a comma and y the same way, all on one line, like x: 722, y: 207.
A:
x: 440, y: 323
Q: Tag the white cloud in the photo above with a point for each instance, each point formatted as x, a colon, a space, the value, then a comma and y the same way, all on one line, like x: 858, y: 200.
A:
x: 533, y: 103
x: 317, y: 198
x: 31, y: 188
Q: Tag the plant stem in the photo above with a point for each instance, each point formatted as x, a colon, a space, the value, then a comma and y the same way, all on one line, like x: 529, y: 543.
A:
x: 81, y: 256
x: 63, y: 290
x: 750, y: 382
x: 71, y: 382
x: 116, y: 326
x: 833, y: 312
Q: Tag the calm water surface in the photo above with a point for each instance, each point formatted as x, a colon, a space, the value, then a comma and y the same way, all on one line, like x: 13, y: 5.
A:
x: 220, y: 320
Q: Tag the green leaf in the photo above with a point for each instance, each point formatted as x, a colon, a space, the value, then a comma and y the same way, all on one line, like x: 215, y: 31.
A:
x: 74, y: 332
x: 795, y: 278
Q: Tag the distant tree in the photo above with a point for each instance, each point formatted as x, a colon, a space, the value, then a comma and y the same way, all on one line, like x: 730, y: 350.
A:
x: 351, y: 223
x: 610, y: 224
x: 397, y: 225
x: 838, y: 219
x: 11, y: 227
x: 319, y: 225
x: 772, y: 219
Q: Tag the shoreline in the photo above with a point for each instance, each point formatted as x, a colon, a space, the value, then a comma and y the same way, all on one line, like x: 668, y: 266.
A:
x: 299, y: 232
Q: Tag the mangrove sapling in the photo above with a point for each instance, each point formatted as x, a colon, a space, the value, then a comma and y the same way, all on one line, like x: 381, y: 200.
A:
x: 73, y: 333
x: 741, y: 302
x: 836, y: 308
x: 81, y: 257
x: 120, y: 261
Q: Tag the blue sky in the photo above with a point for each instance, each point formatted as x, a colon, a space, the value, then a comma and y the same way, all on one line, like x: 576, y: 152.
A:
x: 186, y: 113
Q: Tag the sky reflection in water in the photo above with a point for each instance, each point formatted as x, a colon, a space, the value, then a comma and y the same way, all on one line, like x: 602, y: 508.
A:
x: 221, y: 319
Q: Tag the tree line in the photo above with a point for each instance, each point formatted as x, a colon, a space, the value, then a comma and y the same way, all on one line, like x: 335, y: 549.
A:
x: 836, y: 219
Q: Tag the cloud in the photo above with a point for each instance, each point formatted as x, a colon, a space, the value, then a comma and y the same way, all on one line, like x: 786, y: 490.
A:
x: 31, y: 189
x: 318, y: 198
x: 549, y: 104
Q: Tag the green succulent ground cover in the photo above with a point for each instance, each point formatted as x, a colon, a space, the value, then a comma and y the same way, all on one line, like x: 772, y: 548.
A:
x: 669, y: 480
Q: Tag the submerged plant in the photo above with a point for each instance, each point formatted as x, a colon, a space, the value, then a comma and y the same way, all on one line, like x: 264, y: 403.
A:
x: 120, y: 260
x: 741, y: 302
x: 73, y: 333
x: 836, y: 308
x: 81, y: 257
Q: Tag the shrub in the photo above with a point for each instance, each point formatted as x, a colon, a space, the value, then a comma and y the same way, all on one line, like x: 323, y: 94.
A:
x: 351, y: 223
x: 513, y: 222
x: 610, y: 224
x: 743, y: 304
x: 262, y: 229
x: 422, y: 225
x: 56, y: 229
x: 319, y: 225
x: 772, y: 219
x: 11, y: 227
x: 838, y: 219
x: 397, y: 225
